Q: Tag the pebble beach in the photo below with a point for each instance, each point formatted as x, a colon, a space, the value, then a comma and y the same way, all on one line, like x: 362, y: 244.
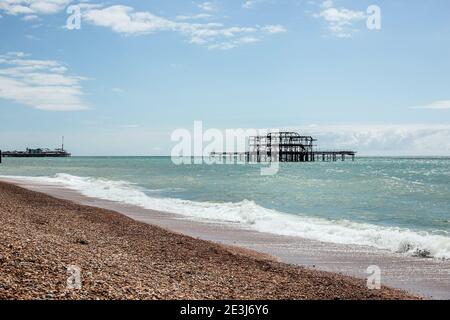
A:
x: 120, y: 258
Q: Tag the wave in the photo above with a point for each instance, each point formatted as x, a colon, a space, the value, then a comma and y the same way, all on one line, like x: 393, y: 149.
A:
x: 247, y: 214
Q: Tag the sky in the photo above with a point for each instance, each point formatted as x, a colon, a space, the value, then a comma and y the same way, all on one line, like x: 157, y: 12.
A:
x: 132, y: 72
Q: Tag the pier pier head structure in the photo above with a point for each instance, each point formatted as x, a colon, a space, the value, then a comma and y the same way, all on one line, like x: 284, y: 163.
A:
x: 37, y: 153
x: 285, y: 147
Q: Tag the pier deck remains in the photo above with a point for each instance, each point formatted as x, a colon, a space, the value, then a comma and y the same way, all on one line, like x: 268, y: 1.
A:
x: 285, y: 147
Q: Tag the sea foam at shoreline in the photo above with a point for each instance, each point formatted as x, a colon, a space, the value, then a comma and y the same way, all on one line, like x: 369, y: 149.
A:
x: 247, y: 214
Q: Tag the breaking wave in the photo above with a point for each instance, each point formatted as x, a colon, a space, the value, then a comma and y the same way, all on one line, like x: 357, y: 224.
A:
x: 247, y: 214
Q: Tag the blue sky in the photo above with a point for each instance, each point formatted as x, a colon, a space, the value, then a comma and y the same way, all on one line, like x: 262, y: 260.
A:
x: 137, y: 70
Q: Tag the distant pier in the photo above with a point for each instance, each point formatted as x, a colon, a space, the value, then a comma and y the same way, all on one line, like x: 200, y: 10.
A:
x: 37, y: 153
x: 285, y: 147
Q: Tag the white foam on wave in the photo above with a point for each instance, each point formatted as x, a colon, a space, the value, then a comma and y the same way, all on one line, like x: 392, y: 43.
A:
x: 252, y: 216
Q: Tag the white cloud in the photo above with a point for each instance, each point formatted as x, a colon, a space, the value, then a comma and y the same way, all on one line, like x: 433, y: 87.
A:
x: 33, y: 7
x: 230, y: 44
x: 41, y: 84
x: 327, y: 4
x: 440, y: 104
x: 249, y: 4
x: 207, y: 6
x: 273, y: 29
x: 126, y: 20
x: 340, y: 21
x: 395, y: 140
x: 30, y: 17
x: 199, y: 16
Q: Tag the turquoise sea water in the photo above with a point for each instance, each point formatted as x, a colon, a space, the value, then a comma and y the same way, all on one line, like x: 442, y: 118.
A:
x: 398, y: 204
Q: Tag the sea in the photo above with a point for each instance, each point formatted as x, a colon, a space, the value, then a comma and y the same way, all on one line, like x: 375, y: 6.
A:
x: 400, y: 205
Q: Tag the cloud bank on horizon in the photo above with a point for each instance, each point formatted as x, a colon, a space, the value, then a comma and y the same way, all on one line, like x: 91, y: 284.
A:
x: 440, y: 104
x: 395, y: 140
x: 367, y: 140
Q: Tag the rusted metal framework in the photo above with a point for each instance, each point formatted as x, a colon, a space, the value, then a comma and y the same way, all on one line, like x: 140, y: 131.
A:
x: 285, y: 147
x: 282, y: 147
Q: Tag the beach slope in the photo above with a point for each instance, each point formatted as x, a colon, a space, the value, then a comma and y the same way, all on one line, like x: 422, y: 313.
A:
x: 120, y: 258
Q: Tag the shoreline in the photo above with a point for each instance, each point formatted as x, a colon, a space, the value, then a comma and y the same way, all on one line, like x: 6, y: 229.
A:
x: 122, y: 258
x: 425, y: 277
